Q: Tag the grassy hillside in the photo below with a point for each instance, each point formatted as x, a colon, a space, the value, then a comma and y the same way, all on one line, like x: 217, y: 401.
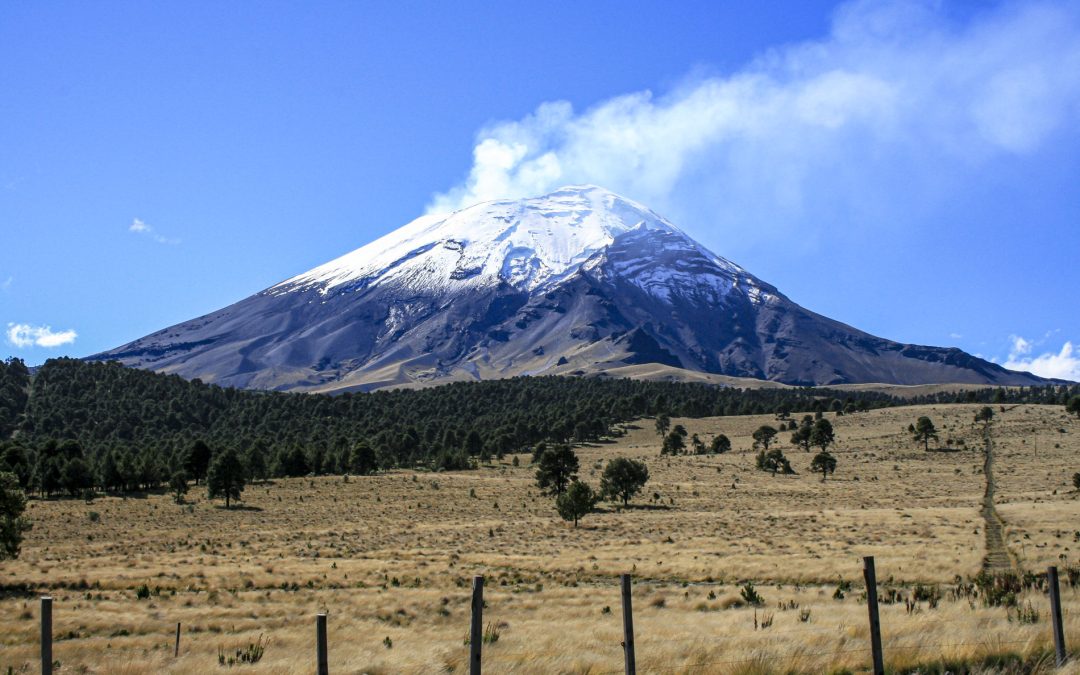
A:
x: 390, y: 557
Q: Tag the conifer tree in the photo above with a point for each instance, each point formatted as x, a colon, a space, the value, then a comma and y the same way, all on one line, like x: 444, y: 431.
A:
x: 823, y: 462
x: 12, y: 522
x: 623, y: 478
x: 225, y: 477
x: 924, y: 430
x: 578, y: 501
x: 197, y: 461
x: 558, y: 466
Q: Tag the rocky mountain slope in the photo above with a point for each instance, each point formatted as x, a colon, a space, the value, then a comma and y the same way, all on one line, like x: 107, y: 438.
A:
x: 576, y: 281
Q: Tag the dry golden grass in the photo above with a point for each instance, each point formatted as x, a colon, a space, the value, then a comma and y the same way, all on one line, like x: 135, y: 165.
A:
x: 391, y: 556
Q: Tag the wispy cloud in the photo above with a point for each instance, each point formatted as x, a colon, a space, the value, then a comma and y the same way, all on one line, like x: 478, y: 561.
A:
x: 24, y: 335
x: 1064, y: 364
x: 8, y: 283
x: 140, y: 227
x: 896, y: 98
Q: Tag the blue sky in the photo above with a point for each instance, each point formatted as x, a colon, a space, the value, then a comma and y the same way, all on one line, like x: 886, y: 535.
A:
x: 908, y: 168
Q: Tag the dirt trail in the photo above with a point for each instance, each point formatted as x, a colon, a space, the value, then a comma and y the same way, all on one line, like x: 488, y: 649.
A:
x: 997, y: 557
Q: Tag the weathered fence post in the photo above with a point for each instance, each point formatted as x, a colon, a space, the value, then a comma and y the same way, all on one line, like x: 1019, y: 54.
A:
x: 628, y: 626
x: 323, y: 667
x: 1055, y: 615
x: 875, y: 624
x: 476, y: 629
x: 176, y: 650
x: 46, y: 636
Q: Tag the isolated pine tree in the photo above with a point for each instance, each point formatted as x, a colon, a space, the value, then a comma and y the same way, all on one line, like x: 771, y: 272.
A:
x: 623, y: 478
x: 720, y: 444
x: 823, y: 462
x: 822, y: 435
x: 226, y: 476
x: 801, y: 435
x: 578, y: 501
x: 178, y: 485
x: 558, y: 466
x: 673, y: 444
x: 924, y: 431
x: 764, y: 435
x: 663, y: 423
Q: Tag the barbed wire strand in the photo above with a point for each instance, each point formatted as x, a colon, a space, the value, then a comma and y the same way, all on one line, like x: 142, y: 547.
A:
x: 793, y: 653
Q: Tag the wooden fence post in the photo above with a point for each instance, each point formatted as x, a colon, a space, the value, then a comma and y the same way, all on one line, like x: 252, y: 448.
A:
x: 176, y: 650
x: 1055, y: 615
x: 476, y: 629
x: 323, y: 667
x: 875, y: 624
x: 628, y: 626
x: 46, y: 636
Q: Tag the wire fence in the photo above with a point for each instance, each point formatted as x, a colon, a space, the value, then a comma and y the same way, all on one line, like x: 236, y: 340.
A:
x: 695, y: 653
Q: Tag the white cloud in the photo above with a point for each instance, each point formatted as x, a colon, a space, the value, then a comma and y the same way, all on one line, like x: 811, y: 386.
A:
x: 139, y: 227
x: 1020, y: 346
x: 6, y: 286
x: 1064, y: 365
x: 24, y: 335
x: 895, y: 99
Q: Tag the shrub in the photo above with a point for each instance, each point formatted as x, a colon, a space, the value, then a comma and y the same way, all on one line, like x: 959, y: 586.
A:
x: 252, y: 653
x: 750, y: 595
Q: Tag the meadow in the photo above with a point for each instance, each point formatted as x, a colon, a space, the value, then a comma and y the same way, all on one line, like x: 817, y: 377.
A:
x: 390, y: 559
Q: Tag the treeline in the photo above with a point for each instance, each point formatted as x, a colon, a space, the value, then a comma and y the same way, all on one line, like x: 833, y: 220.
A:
x: 76, y: 423
x: 14, y: 391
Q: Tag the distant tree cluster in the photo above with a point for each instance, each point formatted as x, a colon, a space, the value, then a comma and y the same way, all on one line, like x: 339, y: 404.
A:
x: 557, y: 476
x: 1073, y: 405
x: 813, y: 433
x: 74, y: 426
x: 14, y: 393
x: 773, y: 461
x: 13, y: 524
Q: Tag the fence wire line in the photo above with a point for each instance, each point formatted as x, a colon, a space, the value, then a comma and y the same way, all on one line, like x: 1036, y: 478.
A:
x: 838, y: 630
x: 718, y: 662
x: 940, y: 645
x: 796, y: 652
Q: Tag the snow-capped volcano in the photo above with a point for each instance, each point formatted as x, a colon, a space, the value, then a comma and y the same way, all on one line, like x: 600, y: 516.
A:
x: 580, y: 280
x: 528, y: 244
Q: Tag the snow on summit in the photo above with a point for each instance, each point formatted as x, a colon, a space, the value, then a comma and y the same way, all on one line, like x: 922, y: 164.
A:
x: 526, y: 243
